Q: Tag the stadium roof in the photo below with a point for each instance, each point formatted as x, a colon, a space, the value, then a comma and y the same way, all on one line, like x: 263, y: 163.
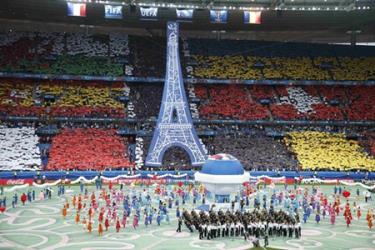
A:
x: 327, y: 26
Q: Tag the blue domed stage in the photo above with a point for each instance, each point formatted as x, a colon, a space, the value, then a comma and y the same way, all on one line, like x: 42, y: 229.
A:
x: 222, y: 175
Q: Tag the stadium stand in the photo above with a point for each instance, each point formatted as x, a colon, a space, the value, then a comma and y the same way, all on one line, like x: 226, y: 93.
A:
x: 322, y: 150
x: 69, y: 98
x: 235, y: 59
x: 64, y: 53
x: 286, y: 102
x: 257, y: 152
x: 18, y: 149
x: 146, y: 99
x: 85, y: 149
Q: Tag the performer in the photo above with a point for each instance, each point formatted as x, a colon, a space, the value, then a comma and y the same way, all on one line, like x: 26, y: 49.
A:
x: 333, y: 216
x: 100, y: 229
x: 23, y: 199
x: 369, y: 218
x: 359, y: 213
x: 118, y: 226
x: 89, y: 227
x: 106, y: 224
x: 64, y: 212
x: 77, y: 219
x: 135, y: 221
x: 74, y: 200
x: 317, y: 217
x: 101, y: 216
x: 123, y: 222
x: 179, y: 225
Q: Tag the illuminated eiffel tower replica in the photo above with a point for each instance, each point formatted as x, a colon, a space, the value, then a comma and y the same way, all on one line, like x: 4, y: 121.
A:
x: 174, y: 126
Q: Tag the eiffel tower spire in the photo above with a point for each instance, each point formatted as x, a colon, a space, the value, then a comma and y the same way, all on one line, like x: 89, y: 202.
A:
x: 174, y: 126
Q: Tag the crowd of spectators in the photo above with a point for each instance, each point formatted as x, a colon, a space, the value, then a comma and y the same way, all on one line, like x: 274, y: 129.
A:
x: 83, y: 149
x: 18, y: 149
x: 234, y: 59
x: 146, y: 99
x: 333, y: 151
x: 120, y: 54
x: 61, y: 98
x: 64, y: 53
x: 257, y: 152
x: 240, y: 102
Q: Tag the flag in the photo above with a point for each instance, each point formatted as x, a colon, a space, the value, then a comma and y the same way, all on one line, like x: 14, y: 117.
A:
x: 113, y: 12
x: 253, y: 17
x: 184, y: 13
x: 76, y: 9
x: 218, y: 16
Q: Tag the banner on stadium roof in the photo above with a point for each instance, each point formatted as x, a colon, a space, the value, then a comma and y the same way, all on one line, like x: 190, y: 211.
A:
x: 184, y: 13
x: 149, y: 13
x: 218, y: 16
x: 113, y: 11
x: 252, y: 17
x: 76, y: 9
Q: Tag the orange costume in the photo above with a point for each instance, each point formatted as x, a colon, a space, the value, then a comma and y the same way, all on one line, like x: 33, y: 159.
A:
x: 369, y: 219
x: 89, y: 227
x: 74, y: 201
x: 77, y: 219
x: 100, y: 229
x: 64, y: 212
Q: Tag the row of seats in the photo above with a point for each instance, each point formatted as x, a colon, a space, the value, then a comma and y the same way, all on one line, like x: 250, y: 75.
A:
x: 83, y: 149
x: 70, y: 98
x: 321, y: 150
x: 283, y: 68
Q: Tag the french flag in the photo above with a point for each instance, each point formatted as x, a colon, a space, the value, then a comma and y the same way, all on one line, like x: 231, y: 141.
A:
x: 252, y: 17
x: 76, y: 9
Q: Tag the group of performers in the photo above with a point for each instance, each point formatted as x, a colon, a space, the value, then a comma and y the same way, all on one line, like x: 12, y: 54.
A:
x: 258, y: 223
x: 114, y: 207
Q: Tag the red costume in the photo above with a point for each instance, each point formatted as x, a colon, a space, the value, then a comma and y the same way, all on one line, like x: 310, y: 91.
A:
x: 100, y: 217
x: 118, y: 226
x: 106, y: 224
x: 359, y: 214
x: 23, y: 198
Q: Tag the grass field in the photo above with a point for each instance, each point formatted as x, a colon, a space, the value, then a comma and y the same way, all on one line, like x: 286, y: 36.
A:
x: 39, y: 225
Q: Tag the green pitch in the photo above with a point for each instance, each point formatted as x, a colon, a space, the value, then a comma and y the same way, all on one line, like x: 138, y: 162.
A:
x: 40, y: 225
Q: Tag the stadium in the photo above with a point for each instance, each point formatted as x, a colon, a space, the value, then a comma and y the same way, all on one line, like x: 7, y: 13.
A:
x: 187, y: 124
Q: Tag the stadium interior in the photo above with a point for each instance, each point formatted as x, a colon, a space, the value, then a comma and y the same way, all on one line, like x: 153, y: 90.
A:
x: 253, y: 92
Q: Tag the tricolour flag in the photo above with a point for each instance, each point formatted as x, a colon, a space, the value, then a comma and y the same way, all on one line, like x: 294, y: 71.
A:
x: 253, y: 17
x: 76, y: 9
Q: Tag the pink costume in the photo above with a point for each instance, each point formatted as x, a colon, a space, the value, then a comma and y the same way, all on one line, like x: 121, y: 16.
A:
x: 123, y: 222
x: 135, y: 221
x: 333, y: 216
